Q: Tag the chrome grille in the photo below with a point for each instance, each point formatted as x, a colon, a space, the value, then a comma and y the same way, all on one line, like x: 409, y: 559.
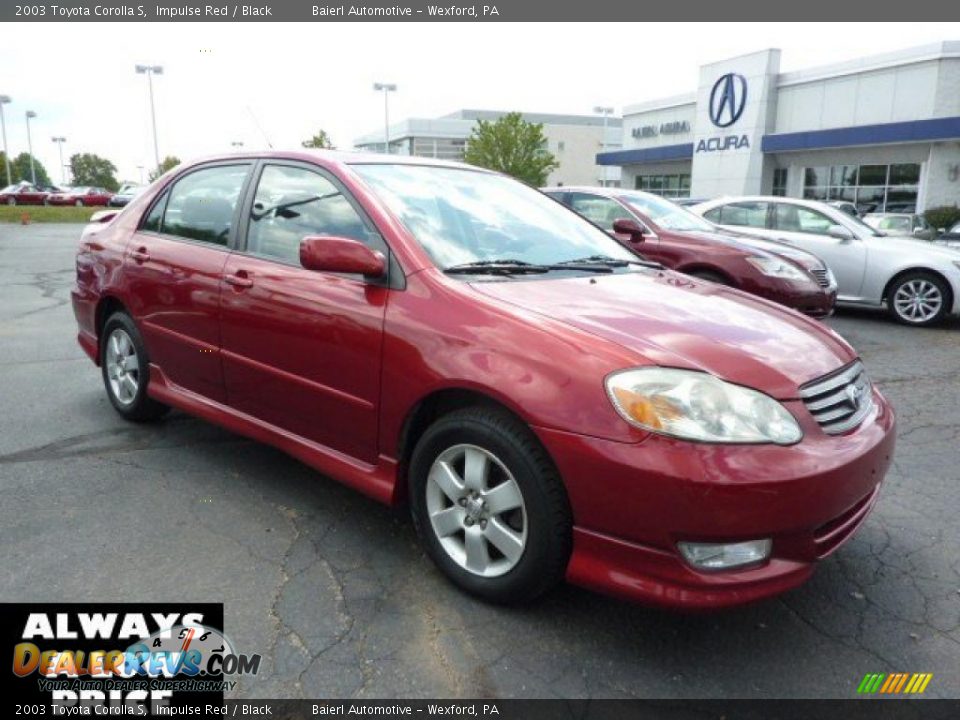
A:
x: 820, y: 273
x: 840, y: 401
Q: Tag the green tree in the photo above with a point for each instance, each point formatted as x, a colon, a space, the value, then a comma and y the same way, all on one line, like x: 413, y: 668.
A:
x: 320, y: 140
x: 90, y: 169
x: 513, y: 146
x: 942, y: 217
x: 168, y: 163
x: 20, y: 169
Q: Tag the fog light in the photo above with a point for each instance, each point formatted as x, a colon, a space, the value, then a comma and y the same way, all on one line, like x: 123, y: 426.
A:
x: 717, y: 556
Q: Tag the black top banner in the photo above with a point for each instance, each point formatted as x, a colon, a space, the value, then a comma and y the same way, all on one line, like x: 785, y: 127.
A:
x: 487, y: 11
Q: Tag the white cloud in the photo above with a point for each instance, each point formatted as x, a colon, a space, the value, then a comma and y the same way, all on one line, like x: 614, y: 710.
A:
x: 80, y: 78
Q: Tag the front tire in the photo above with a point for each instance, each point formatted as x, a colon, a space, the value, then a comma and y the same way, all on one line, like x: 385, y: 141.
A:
x: 11, y: 201
x: 919, y: 298
x: 710, y: 276
x: 489, y: 506
x: 126, y: 370
x: 78, y: 203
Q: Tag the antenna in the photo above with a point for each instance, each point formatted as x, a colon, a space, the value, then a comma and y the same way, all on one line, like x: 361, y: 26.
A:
x: 259, y: 127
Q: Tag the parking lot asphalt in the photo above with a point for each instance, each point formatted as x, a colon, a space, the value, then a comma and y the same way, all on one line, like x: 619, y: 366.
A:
x: 334, y: 592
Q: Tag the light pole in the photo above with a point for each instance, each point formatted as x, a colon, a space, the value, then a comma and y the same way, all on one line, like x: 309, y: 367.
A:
x: 140, y: 168
x: 387, y: 88
x: 60, y: 141
x: 33, y: 169
x: 606, y: 112
x: 150, y: 71
x: 4, y: 99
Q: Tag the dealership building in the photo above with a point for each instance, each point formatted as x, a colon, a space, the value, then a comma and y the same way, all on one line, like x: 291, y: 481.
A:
x: 574, y: 140
x: 881, y: 131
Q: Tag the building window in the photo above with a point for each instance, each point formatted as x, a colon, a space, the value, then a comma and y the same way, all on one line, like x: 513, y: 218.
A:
x: 669, y: 186
x: 872, y: 188
x: 780, y: 182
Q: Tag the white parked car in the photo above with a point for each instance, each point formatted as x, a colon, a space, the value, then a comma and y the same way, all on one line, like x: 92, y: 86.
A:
x: 918, y: 282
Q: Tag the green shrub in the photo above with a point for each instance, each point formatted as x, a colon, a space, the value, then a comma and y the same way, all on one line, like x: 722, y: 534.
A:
x: 942, y: 217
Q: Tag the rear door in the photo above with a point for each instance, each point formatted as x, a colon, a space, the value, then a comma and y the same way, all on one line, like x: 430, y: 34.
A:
x: 302, y: 349
x: 173, y: 271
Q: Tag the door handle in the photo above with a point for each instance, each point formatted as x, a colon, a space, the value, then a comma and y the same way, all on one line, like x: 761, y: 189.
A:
x: 140, y: 255
x: 240, y: 279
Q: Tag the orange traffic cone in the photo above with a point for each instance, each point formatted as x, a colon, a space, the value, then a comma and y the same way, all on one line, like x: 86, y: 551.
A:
x: 25, y: 218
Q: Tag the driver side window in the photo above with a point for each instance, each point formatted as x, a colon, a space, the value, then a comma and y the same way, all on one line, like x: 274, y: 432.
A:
x: 600, y: 211
x: 793, y: 218
x: 292, y: 203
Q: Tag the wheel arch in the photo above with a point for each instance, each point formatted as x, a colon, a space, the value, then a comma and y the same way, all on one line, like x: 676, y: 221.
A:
x: 426, y: 411
x: 919, y: 269
x: 699, y: 266
x: 106, y: 306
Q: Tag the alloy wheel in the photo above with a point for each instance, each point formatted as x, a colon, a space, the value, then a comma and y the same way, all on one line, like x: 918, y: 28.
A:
x: 918, y: 301
x: 476, y: 510
x: 123, y: 366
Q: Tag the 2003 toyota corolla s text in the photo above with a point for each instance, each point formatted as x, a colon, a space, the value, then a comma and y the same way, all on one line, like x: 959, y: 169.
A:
x: 445, y: 337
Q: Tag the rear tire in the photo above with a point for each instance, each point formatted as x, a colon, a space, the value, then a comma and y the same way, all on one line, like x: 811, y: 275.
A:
x: 125, y: 367
x: 489, y: 506
x: 919, y: 299
x: 11, y: 201
x: 78, y: 203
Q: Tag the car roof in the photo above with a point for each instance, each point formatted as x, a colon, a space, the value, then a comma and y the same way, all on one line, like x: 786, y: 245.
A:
x: 596, y: 190
x: 338, y: 157
x: 812, y: 204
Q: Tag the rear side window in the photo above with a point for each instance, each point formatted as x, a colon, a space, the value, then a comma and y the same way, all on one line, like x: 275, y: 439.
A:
x: 202, y: 205
x: 743, y: 214
x: 292, y: 203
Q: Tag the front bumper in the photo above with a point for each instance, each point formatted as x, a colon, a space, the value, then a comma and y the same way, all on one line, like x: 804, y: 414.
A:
x: 809, y: 299
x: 633, y: 503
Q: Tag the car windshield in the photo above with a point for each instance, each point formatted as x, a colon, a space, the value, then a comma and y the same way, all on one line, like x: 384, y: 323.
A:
x: 665, y: 213
x: 861, y: 225
x: 897, y: 224
x: 80, y: 190
x: 462, y: 216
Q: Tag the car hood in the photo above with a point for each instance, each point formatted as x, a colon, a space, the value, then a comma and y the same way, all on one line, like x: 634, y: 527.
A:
x: 672, y: 320
x: 801, y: 257
x: 915, y: 247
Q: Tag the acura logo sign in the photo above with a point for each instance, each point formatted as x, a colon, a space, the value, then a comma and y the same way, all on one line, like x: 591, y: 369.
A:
x: 727, y: 99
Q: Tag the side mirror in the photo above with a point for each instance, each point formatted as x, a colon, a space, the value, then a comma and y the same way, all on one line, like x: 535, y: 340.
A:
x: 840, y: 233
x: 626, y: 226
x: 341, y: 255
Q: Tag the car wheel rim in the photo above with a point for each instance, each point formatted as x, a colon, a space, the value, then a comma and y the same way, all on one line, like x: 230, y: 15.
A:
x: 918, y: 301
x: 476, y: 510
x: 123, y: 367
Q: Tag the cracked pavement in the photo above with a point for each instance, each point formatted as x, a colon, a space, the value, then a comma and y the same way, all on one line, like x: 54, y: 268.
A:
x: 334, y: 592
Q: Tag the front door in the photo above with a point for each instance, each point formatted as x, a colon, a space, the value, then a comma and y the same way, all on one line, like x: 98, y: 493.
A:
x: 302, y: 349
x: 173, y: 269
x: 809, y: 229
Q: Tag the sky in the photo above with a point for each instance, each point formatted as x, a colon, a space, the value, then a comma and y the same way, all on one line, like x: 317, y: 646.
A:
x: 221, y: 81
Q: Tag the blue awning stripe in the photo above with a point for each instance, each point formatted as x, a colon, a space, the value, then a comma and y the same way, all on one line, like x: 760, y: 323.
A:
x: 662, y: 153
x: 947, y: 128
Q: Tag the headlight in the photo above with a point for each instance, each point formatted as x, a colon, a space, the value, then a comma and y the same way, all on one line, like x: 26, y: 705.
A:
x: 697, y: 406
x: 774, y: 267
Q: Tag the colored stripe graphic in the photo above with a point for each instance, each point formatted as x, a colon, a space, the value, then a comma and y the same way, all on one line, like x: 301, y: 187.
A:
x: 894, y: 683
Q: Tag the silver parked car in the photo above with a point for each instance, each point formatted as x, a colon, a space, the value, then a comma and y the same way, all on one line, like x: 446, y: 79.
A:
x: 918, y: 282
x: 902, y: 225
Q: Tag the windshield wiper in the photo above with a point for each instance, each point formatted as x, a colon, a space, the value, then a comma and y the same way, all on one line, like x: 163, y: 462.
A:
x: 607, y: 261
x: 486, y: 267
x: 516, y: 267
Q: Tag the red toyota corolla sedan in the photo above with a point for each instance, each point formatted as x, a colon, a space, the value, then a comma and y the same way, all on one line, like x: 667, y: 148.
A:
x: 445, y: 337
x: 660, y: 230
